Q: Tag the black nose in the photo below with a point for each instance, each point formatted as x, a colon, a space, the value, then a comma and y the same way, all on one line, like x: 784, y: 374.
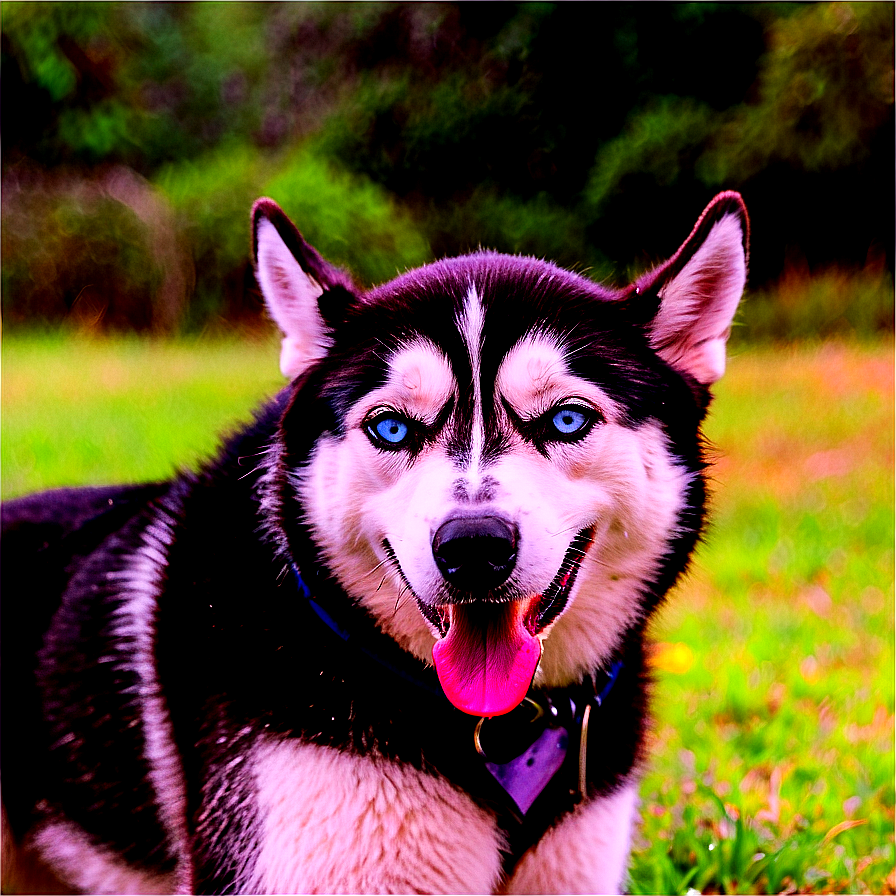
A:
x: 475, y: 553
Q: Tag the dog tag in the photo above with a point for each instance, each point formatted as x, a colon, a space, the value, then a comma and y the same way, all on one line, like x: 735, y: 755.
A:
x: 525, y: 777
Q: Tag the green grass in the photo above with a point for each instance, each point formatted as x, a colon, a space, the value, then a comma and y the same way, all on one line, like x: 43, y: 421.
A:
x: 772, y: 763
x: 94, y: 411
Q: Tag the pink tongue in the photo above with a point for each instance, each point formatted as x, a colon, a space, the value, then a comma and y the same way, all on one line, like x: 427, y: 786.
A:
x: 487, y: 660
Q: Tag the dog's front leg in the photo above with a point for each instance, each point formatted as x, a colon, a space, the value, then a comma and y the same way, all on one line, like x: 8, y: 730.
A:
x: 587, y: 852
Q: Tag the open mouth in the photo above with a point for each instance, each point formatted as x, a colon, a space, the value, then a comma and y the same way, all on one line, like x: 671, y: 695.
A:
x: 552, y: 603
x: 488, y: 652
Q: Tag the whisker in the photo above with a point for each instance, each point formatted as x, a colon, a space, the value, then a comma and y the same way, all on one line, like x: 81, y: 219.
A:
x: 243, y: 457
x: 572, y: 528
x: 390, y: 350
x: 375, y: 568
x: 597, y: 560
x: 398, y: 600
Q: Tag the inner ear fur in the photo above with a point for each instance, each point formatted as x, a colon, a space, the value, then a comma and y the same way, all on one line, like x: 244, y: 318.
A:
x: 698, y: 290
x: 304, y: 294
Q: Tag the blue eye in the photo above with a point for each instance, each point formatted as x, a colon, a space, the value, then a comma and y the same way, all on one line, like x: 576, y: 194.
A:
x: 570, y: 420
x: 388, y: 430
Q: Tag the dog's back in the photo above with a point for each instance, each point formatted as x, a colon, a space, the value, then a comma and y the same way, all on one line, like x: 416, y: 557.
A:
x: 45, y: 539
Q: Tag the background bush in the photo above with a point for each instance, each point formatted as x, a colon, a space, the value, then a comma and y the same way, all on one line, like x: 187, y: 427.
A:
x: 591, y: 134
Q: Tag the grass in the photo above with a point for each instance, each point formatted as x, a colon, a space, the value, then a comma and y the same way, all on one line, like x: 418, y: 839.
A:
x: 94, y: 411
x: 772, y: 763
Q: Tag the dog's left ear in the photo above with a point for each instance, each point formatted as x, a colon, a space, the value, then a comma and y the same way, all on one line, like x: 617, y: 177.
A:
x: 699, y: 289
x: 304, y: 294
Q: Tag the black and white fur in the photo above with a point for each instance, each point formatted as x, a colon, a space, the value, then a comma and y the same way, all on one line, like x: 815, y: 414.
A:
x: 177, y: 718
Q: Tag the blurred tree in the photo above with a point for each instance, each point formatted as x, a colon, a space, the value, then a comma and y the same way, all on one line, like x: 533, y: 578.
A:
x: 516, y: 101
x: 61, y: 99
x: 814, y: 148
x: 142, y: 83
x: 586, y: 133
x: 351, y: 220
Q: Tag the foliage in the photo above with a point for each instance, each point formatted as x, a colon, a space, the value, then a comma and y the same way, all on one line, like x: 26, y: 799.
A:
x: 348, y: 218
x: 809, y: 112
x: 831, y: 302
x: 772, y: 761
x: 586, y: 133
x: 79, y: 255
x: 142, y: 83
x: 117, y: 254
x: 657, y: 144
x: 534, y: 226
x: 822, y: 94
x: 56, y: 55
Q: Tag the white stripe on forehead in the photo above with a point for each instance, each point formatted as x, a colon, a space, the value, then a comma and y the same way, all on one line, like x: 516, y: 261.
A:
x: 470, y: 326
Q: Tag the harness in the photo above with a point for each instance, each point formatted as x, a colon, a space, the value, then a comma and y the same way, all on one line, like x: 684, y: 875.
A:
x: 528, y: 766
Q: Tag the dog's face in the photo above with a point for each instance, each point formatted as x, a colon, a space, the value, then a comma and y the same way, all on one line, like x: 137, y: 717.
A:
x: 499, y: 459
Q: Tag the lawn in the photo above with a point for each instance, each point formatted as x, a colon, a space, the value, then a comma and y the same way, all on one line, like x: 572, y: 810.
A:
x: 772, y: 763
x: 99, y: 411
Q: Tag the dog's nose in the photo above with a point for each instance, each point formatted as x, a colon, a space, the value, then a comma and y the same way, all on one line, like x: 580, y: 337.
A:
x: 475, y: 553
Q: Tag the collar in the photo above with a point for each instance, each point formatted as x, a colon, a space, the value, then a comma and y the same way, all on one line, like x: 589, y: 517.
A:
x: 370, y: 641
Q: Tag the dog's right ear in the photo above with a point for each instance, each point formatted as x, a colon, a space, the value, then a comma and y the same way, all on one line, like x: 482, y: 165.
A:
x: 698, y: 291
x: 296, y: 284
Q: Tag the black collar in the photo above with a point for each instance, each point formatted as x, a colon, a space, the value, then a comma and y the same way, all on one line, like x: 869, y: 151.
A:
x: 370, y: 641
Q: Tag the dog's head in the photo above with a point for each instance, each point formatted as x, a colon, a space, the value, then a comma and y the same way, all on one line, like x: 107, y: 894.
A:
x: 499, y: 459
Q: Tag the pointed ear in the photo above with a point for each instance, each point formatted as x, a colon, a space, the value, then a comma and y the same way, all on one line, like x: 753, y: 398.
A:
x: 293, y: 277
x: 699, y: 289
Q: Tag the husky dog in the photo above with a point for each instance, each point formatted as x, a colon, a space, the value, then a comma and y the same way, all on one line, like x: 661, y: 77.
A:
x: 392, y: 638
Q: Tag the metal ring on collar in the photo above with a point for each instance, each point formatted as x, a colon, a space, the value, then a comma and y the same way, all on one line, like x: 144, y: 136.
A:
x: 539, y: 712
